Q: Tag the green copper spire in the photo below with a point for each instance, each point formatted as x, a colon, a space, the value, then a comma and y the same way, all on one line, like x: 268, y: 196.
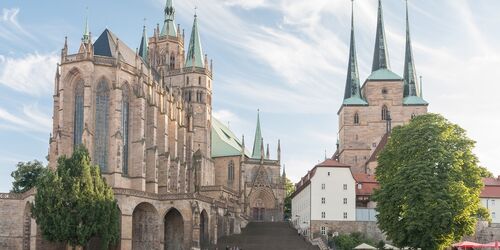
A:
x: 352, y: 94
x: 380, y: 55
x: 143, y: 49
x: 195, y: 52
x: 257, y: 143
x: 169, y: 27
x: 86, y: 31
x: 410, y: 75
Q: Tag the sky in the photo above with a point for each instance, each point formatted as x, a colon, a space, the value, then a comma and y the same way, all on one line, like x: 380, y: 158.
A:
x: 287, y: 58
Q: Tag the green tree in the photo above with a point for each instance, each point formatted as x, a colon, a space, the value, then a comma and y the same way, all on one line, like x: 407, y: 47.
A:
x: 429, y: 184
x: 289, y: 189
x: 74, y: 203
x: 26, y: 175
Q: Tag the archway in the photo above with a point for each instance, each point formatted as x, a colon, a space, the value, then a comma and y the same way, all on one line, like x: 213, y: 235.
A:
x: 262, y: 205
x: 174, y: 230
x: 204, y: 236
x: 145, y: 230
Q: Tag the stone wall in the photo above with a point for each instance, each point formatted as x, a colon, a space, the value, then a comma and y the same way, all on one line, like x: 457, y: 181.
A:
x: 11, y: 223
x: 368, y: 228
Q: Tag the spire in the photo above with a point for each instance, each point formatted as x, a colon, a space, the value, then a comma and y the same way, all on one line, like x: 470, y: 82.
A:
x: 143, y: 49
x: 410, y: 75
x: 169, y: 27
x: 257, y: 143
x: 421, y: 89
x: 279, y: 150
x: 352, y: 94
x: 284, y: 172
x: 380, y: 55
x: 86, y: 30
x: 267, y: 152
x: 195, y: 52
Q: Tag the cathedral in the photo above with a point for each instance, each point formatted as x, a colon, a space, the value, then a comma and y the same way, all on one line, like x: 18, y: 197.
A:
x: 181, y: 177
x: 368, y: 113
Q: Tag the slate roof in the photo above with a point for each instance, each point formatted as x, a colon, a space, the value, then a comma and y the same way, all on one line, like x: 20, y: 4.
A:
x: 195, y: 52
x: 384, y: 74
x: 224, y: 142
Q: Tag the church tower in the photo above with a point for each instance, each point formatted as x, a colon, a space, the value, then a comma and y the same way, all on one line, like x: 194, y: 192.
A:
x: 385, y: 100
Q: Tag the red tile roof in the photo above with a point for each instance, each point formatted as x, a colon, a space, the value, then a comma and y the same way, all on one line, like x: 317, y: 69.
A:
x: 491, y: 188
x: 368, y: 184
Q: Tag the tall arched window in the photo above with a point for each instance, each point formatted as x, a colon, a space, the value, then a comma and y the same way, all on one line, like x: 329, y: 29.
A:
x: 199, y: 80
x: 125, y: 127
x: 187, y: 80
x: 356, y: 118
x: 172, y: 61
x: 101, y: 125
x: 78, y: 119
x: 230, y: 172
x: 385, y: 113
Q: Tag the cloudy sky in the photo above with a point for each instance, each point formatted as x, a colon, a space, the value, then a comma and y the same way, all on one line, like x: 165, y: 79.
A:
x: 287, y: 58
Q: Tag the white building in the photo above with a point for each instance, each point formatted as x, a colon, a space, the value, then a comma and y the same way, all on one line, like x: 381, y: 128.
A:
x: 490, y: 198
x: 327, y: 193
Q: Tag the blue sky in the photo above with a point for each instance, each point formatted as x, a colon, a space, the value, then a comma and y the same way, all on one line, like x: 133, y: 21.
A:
x: 287, y: 58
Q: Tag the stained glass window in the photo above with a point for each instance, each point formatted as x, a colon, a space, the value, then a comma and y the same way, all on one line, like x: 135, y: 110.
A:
x: 78, y: 118
x: 125, y: 128
x: 230, y: 171
x: 101, y: 125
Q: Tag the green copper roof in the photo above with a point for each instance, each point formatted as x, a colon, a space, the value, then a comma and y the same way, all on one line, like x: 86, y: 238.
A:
x: 352, y: 94
x: 169, y: 27
x: 414, y: 100
x: 384, y: 74
x: 143, y: 49
x: 257, y: 143
x: 380, y: 54
x: 224, y: 142
x: 195, y: 52
x: 410, y: 74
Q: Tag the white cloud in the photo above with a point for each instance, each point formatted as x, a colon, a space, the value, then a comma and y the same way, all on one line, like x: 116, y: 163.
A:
x: 31, y: 119
x: 32, y: 74
x: 246, y: 4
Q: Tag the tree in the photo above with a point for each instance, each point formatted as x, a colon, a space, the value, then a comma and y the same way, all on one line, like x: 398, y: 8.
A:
x: 26, y: 175
x: 74, y: 203
x: 289, y: 189
x: 429, y: 184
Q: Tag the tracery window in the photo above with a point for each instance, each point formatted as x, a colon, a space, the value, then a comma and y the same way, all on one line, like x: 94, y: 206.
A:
x: 125, y: 127
x: 101, y: 125
x: 78, y: 118
x: 172, y: 61
x: 385, y: 113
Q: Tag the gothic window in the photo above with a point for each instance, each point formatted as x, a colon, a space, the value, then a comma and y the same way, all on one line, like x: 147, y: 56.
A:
x: 385, y: 113
x: 172, y: 61
x: 125, y: 127
x: 199, y: 80
x: 78, y: 119
x: 189, y: 96
x: 101, y: 125
x: 230, y: 171
x: 356, y: 118
x: 187, y: 80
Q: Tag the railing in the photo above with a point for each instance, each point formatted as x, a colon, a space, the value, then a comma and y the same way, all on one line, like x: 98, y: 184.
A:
x: 319, y: 243
x: 104, y: 60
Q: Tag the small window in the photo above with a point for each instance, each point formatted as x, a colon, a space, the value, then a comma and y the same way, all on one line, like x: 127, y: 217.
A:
x: 199, y: 80
x: 493, y: 215
x: 385, y: 113
x: 323, y: 230
x: 360, y: 185
x: 328, y: 173
x: 384, y: 91
x: 323, y: 186
x: 345, y: 215
x: 493, y: 202
x: 345, y: 186
x: 345, y: 200
x: 323, y: 215
x: 323, y: 200
x: 187, y: 80
x: 356, y: 118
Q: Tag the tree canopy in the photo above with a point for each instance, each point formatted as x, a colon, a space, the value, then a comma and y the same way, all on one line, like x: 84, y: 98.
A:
x: 26, y: 175
x: 74, y: 203
x: 429, y: 184
x: 289, y: 189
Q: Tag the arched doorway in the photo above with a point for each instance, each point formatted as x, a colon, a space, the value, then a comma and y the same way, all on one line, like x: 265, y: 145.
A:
x: 145, y: 230
x: 27, y: 227
x: 174, y: 230
x: 262, y: 205
x: 204, y: 237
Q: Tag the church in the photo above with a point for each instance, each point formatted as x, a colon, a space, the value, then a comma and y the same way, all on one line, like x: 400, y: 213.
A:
x: 182, y: 178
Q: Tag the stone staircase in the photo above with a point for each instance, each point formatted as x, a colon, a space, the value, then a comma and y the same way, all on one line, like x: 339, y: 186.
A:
x: 265, y: 236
